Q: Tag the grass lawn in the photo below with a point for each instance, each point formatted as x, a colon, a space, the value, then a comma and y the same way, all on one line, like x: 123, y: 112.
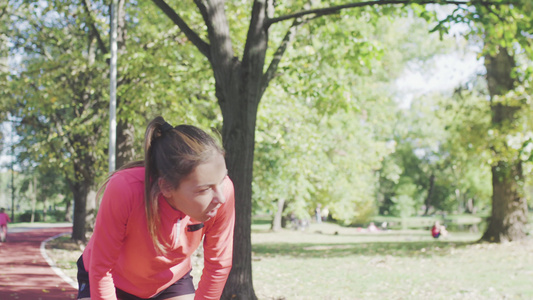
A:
x: 327, y: 261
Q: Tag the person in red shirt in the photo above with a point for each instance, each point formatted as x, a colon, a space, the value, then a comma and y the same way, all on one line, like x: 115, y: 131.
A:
x: 4, y: 219
x: 438, y: 230
x: 153, y: 216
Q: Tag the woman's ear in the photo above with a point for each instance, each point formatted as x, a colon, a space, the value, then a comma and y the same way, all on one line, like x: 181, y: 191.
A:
x: 164, y: 187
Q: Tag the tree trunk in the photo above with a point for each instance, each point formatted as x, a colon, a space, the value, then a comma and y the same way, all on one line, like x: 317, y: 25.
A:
x: 276, y: 223
x: 68, y: 211
x: 125, y: 130
x: 460, y: 204
x: 239, y: 136
x: 470, y: 206
x: 91, y: 209
x: 430, y: 193
x: 80, y: 190
x: 33, y: 199
x: 125, y: 141
x: 80, y: 187
x: 239, y: 88
x: 239, y: 144
x: 45, y: 210
x: 509, y: 207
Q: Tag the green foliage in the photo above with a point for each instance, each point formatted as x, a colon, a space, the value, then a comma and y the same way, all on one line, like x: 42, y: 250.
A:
x: 58, y: 95
x: 403, y: 206
x: 26, y: 217
x: 467, y: 118
x: 445, y: 137
x: 323, y: 127
x: 153, y: 68
x: 315, y: 163
x: 38, y: 216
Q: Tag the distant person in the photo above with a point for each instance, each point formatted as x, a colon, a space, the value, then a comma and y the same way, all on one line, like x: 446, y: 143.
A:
x: 295, y: 223
x: 318, y: 215
x: 4, y: 219
x: 384, y: 226
x: 372, y: 227
x: 438, y: 230
x: 325, y: 213
x: 153, y: 216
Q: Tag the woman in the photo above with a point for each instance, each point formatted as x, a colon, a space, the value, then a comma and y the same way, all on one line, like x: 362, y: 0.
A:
x: 153, y: 216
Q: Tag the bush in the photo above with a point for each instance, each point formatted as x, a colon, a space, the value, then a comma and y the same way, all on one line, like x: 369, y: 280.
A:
x: 26, y: 217
x: 55, y: 216
x: 51, y: 216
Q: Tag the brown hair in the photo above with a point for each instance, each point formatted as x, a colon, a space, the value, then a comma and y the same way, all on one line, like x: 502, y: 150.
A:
x: 170, y: 153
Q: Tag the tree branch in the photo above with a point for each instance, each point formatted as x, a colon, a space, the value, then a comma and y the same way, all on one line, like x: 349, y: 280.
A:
x: 335, y: 9
x: 487, y: 6
x: 218, y: 31
x: 191, y: 35
x: 3, y: 9
x: 272, y: 68
x: 101, y: 43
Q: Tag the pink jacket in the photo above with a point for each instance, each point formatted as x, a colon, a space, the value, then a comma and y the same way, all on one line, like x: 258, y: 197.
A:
x: 4, y: 219
x: 121, y: 252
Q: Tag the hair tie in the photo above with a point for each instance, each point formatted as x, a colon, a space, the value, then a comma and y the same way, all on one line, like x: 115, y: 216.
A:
x: 166, y: 127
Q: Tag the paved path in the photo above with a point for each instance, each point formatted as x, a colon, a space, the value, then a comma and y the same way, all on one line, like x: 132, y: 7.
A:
x: 25, y: 273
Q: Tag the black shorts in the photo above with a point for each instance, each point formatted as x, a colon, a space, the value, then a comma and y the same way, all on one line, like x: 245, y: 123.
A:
x: 184, y: 286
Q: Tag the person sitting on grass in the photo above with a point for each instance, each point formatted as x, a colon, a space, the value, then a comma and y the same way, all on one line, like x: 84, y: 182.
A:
x: 153, y: 216
x: 438, y: 230
x: 372, y: 227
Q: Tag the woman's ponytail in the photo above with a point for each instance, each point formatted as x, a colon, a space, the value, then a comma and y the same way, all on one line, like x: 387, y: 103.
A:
x: 151, y: 175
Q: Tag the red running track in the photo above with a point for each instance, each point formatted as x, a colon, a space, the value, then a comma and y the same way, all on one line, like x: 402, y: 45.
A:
x: 24, y: 272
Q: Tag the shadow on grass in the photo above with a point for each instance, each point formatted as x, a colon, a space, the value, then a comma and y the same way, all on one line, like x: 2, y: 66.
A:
x: 315, y: 250
x: 261, y: 221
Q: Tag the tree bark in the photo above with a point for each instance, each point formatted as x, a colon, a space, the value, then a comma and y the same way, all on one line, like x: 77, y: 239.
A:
x: 509, y: 206
x: 239, y: 144
x: 276, y: 223
x: 125, y: 141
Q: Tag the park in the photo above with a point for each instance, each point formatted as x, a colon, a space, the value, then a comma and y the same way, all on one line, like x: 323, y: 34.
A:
x: 334, y: 115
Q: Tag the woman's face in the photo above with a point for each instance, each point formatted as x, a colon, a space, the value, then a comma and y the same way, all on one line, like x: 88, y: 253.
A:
x: 200, y: 194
